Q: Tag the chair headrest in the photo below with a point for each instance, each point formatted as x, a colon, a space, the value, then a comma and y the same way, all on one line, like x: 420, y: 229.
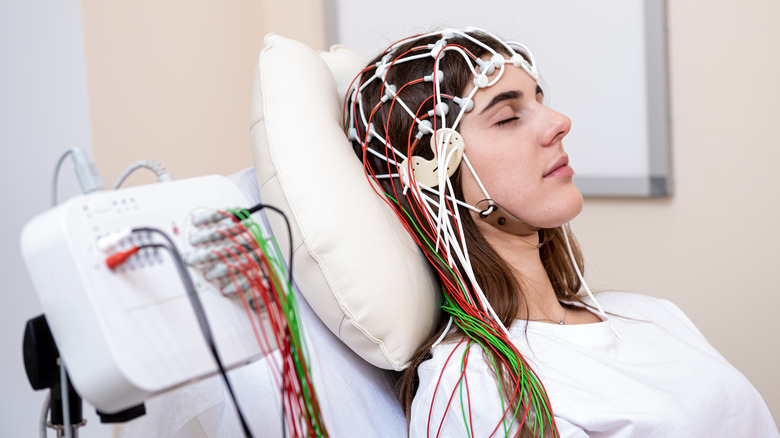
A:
x: 353, y: 261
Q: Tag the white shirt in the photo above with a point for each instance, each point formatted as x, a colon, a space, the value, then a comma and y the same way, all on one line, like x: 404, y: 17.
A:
x: 662, y: 380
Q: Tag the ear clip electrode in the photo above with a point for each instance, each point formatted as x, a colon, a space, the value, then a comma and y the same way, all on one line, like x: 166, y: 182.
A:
x: 502, y: 219
x: 447, y: 146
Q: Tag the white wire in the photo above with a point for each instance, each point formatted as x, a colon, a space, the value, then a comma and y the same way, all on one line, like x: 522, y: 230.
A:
x: 373, y: 132
x: 406, y: 108
x: 469, y: 62
x: 384, y: 157
x: 351, y: 105
x: 478, y: 290
x: 56, y: 175
x: 437, y: 86
x: 443, y: 334
x: 460, y: 228
x: 443, y: 164
x: 506, y: 44
x: 463, y: 257
x: 459, y: 253
x: 421, y: 126
x: 436, y: 215
x: 525, y: 53
x: 451, y: 198
x: 465, y: 263
x: 417, y: 38
x: 359, y: 98
x: 396, y: 98
x: 486, y: 306
x: 437, y: 94
x: 442, y: 220
x: 384, y: 142
x: 458, y: 244
x: 463, y: 109
x: 154, y: 166
x: 476, y: 177
x: 461, y: 52
x: 584, y: 284
x: 408, y: 58
x: 453, y: 244
x: 499, y: 75
x: 437, y: 91
x: 476, y: 41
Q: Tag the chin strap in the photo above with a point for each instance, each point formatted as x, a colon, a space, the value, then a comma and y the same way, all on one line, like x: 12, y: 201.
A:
x: 500, y: 218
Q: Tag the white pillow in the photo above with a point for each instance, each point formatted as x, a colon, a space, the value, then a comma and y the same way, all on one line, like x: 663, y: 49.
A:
x: 353, y: 261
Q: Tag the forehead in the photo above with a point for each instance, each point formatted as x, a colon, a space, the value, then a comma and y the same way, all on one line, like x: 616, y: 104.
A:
x: 512, y: 79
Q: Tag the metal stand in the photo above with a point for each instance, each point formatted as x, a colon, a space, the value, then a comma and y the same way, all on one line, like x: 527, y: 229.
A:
x: 43, y: 366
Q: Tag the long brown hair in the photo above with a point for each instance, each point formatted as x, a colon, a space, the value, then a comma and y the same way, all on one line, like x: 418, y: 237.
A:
x: 493, y: 275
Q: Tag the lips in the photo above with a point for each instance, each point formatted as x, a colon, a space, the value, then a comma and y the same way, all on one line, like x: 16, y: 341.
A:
x: 560, y: 167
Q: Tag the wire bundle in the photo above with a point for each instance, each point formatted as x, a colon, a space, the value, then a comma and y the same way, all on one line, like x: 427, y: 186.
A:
x: 430, y: 214
x: 231, y: 251
x: 252, y: 270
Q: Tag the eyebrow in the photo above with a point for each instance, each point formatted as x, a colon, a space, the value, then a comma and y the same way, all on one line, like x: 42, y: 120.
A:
x: 507, y: 95
x: 498, y: 98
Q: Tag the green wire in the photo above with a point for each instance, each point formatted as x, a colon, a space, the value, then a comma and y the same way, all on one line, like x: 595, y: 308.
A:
x: 530, y: 388
x: 500, y: 390
x: 298, y: 351
x: 460, y: 389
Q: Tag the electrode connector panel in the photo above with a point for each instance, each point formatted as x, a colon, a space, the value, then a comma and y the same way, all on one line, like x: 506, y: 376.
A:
x: 130, y: 332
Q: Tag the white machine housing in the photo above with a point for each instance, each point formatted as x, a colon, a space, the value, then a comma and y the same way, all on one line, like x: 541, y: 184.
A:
x: 128, y: 334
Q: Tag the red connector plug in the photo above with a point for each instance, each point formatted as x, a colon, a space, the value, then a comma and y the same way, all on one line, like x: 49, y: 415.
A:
x: 118, y: 258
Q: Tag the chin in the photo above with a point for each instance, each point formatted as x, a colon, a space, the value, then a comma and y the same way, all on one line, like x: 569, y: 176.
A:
x: 574, y: 211
x: 560, y: 211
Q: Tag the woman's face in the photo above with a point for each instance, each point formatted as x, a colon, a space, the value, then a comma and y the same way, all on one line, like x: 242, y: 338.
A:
x: 515, y: 145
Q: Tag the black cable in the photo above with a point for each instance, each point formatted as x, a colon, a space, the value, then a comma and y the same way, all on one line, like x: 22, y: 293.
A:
x: 239, y: 216
x: 200, y: 313
x: 261, y: 206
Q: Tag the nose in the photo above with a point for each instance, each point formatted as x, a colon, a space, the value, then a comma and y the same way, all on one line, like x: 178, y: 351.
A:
x: 558, y: 125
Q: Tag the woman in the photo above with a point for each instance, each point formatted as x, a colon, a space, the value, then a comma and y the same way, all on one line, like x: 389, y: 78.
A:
x: 452, y: 126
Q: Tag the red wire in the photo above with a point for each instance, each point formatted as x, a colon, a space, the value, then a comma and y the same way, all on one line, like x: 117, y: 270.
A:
x: 292, y: 391
x: 468, y: 393
x: 244, y: 256
x: 436, y: 388
x: 455, y: 387
x: 264, y: 343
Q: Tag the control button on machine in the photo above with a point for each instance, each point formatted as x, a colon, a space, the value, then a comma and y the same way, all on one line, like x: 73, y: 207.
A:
x: 100, y: 205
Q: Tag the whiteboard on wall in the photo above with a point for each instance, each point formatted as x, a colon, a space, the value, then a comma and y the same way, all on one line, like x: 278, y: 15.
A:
x: 603, y: 63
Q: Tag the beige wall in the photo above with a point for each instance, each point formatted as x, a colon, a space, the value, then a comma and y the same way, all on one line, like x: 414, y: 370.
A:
x: 713, y: 247
x: 171, y: 81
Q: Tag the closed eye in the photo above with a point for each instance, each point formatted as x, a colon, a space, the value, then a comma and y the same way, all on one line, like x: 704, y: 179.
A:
x: 506, y: 121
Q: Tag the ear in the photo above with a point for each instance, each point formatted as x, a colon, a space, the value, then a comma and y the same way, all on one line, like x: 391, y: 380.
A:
x: 446, y: 144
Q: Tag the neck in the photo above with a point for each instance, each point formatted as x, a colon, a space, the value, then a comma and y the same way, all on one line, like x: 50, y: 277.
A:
x: 522, y: 254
